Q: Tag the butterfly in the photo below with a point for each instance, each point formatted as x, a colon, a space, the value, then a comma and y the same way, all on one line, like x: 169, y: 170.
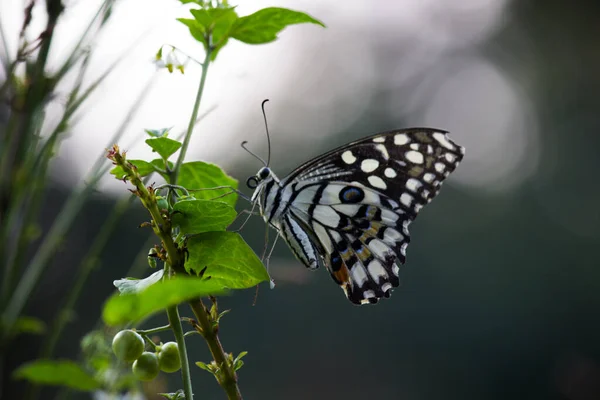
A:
x: 349, y: 209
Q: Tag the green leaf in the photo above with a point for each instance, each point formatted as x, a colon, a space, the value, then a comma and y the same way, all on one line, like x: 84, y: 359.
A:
x: 201, y: 175
x: 264, y: 25
x: 196, y: 30
x: 178, y: 395
x: 227, y: 258
x: 29, y: 325
x: 57, y: 373
x: 122, y: 309
x: 197, y: 216
x: 158, y: 132
x: 144, y: 167
x: 218, y: 23
x: 164, y: 146
x: 203, y: 366
x: 132, y: 285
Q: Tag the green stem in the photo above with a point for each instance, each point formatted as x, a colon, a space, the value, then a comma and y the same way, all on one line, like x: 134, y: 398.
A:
x: 188, y: 134
x: 175, y: 323
x: 227, y: 378
x: 153, y: 330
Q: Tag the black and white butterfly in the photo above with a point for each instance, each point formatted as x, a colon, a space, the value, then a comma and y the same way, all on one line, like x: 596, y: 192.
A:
x: 349, y: 209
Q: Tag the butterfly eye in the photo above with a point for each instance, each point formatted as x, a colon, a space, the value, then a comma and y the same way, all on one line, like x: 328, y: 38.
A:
x: 252, y: 182
x: 264, y: 173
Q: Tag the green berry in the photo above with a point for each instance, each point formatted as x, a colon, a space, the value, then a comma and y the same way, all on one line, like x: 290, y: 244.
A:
x: 168, y: 357
x: 128, y: 345
x: 145, y: 368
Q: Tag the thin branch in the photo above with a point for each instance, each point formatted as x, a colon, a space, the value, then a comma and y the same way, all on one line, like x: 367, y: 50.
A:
x: 188, y: 135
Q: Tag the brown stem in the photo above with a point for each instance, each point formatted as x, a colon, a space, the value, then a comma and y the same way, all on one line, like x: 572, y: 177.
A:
x: 227, y: 377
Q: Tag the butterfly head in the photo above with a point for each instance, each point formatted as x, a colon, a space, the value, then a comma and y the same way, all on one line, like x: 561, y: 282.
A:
x: 258, y: 181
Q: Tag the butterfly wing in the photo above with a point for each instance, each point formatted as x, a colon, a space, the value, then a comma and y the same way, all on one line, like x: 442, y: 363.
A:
x: 352, y: 206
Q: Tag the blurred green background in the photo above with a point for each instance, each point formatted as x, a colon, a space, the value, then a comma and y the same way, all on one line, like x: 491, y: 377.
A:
x: 500, y: 296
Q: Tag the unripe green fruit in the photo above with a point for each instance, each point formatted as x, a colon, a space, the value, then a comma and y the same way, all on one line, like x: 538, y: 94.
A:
x: 128, y: 345
x: 162, y: 203
x: 145, y: 368
x: 168, y: 357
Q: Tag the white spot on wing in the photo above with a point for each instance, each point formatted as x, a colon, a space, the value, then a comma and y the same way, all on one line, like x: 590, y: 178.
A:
x: 395, y: 269
x: 376, y: 270
x: 386, y: 286
x: 381, y: 148
x: 403, y: 248
x: 443, y: 140
x: 326, y: 215
x: 439, y: 167
x: 428, y: 177
x: 358, y: 275
x: 391, y: 236
x: 390, y: 173
x: 369, y: 165
x: 401, y: 139
x: 413, y: 184
x: 377, y: 182
x: 406, y: 199
x: 323, y: 237
x: 379, y: 248
x: 414, y: 157
x: 414, y: 146
x: 450, y: 157
x: 389, y: 217
x: 379, y: 139
x: 348, y: 157
x: 368, y: 294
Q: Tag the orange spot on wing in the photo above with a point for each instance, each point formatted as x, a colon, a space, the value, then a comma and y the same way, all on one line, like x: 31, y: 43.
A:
x: 342, y: 275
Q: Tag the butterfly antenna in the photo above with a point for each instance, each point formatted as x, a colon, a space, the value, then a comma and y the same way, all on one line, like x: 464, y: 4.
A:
x: 262, y: 106
x: 251, y: 153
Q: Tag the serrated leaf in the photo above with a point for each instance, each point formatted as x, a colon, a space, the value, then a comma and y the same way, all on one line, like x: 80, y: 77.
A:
x: 264, y: 25
x: 197, y: 216
x: 227, y: 258
x: 132, y: 285
x: 57, y: 373
x: 122, y: 309
x: 29, y: 325
x: 165, y: 147
x: 201, y: 175
x: 158, y: 132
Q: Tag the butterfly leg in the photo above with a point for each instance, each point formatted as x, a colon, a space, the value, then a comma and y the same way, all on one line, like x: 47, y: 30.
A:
x: 231, y: 188
x: 250, y: 213
x: 268, y: 259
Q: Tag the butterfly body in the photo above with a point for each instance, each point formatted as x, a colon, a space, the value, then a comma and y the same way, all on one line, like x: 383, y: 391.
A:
x: 349, y: 209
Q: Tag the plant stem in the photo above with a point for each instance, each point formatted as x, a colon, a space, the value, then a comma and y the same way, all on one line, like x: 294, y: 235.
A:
x: 153, y: 330
x: 228, y: 378
x: 188, y: 134
x: 175, y: 323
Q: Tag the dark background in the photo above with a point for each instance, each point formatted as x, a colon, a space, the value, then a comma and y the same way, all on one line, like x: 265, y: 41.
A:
x: 501, y: 291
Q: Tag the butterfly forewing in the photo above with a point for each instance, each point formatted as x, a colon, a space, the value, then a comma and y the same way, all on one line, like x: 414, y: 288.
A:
x: 352, y: 206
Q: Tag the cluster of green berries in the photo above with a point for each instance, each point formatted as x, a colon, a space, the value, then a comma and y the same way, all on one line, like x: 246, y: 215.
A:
x: 129, y: 346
